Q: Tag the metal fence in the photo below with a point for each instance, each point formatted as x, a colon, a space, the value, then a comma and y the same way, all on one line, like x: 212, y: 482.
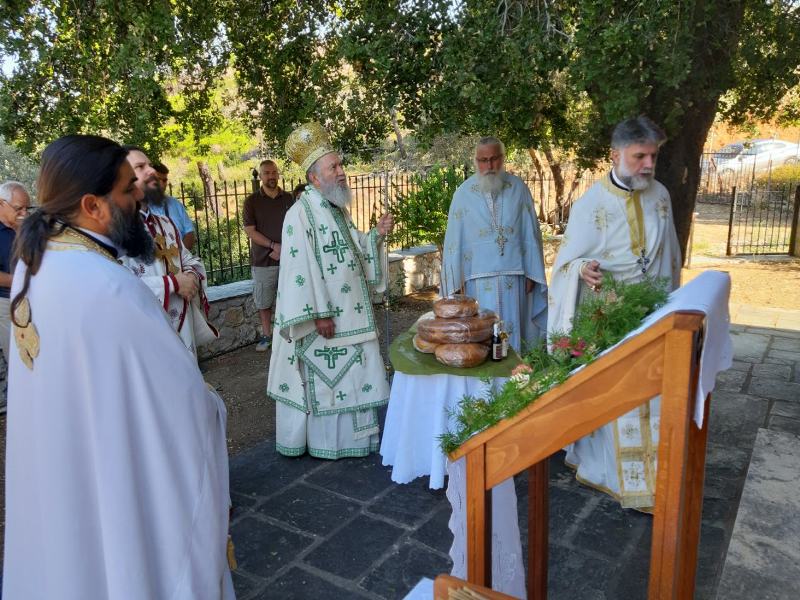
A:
x: 225, y: 248
x: 762, y: 220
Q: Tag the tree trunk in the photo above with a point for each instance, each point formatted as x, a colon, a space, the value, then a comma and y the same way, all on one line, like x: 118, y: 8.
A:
x: 537, y: 164
x: 401, y: 148
x: 558, y: 184
x: 208, y: 187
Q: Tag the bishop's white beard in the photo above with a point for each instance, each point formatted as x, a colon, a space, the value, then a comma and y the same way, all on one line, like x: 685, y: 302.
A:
x: 336, y: 194
x: 491, y: 183
x: 634, y: 182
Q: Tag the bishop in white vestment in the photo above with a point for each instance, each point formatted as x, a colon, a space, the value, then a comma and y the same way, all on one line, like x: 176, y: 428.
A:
x: 326, y: 372
x: 493, y: 247
x: 622, y: 225
x: 116, y: 461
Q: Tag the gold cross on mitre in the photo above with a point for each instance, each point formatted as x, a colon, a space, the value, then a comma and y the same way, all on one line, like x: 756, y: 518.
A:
x: 167, y: 253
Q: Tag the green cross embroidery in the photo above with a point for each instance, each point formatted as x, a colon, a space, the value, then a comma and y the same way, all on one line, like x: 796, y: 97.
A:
x: 369, y: 258
x: 341, y: 396
x: 358, y: 307
x: 366, y: 387
x: 338, y: 246
x: 323, y: 229
x: 289, y: 230
x: 337, y: 311
x: 352, y: 265
x: 291, y: 359
x: 308, y: 310
x: 346, y: 288
x: 331, y: 354
x: 300, y: 280
x: 331, y: 268
x: 358, y: 360
x: 293, y: 251
x: 283, y: 387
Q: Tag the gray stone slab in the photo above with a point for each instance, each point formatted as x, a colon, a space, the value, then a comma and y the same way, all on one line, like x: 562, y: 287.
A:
x: 298, y: 584
x: 763, y: 558
x: 782, y: 343
x: 359, y: 478
x: 572, y: 575
x: 262, y: 548
x: 402, y: 569
x: 739, y: 365
x: 245, y: 585
x: 435, y: 532
x: 787, y: 355
x: 735, y: 418
x: 749, y: 346
x: 787, y: 333
x: 785, y: 409
x: 310, y: 509
x: 730, y: 380
x: 725, y: 470
x: 351, y: 551
x: 609, y: 530
x: 409, y: 504
x: 774, y: 389
x: 771, y: 371
x: 261, y: 471
x: 783, y: 424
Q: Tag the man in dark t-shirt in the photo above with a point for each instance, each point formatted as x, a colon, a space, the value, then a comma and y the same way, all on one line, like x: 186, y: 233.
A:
x: 14, y: 203
x: 264, y: 211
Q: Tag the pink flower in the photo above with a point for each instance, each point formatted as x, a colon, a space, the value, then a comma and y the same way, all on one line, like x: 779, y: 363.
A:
x: 561, y: 343
x: 578, y: 348
x: 521, y: 368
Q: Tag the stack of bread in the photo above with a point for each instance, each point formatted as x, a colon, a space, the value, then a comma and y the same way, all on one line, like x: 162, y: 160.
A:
x: 458, y: 333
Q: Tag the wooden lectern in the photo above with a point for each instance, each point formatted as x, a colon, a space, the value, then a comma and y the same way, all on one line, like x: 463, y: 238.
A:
x: 664, y: 359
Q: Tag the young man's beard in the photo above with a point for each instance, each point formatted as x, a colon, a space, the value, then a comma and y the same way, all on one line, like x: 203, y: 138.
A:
x: 129, y: 233
x: 154, y: 196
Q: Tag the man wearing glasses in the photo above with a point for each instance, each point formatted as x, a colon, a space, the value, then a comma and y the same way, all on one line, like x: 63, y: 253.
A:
x: 14, y: 203
x: 493, y: 247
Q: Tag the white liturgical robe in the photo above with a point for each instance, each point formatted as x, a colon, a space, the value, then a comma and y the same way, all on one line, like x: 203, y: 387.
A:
x: 632, y: 236
x: 116, y: 462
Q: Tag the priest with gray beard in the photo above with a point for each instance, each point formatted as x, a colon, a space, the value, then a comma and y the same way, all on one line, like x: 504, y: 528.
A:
x: 493, y: 247
x: 326, y: 373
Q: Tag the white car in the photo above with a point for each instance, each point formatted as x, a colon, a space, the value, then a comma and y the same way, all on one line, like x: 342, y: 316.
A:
x: 754, y: 156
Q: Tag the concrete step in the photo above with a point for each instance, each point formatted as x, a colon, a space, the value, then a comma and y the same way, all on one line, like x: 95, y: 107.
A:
x: 763, y: 558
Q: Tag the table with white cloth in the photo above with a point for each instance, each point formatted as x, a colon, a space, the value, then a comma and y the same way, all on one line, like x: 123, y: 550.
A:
x: 421, y: 408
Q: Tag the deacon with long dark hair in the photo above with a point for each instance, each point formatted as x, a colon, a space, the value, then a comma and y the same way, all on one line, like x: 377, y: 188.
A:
x: 116, y: 463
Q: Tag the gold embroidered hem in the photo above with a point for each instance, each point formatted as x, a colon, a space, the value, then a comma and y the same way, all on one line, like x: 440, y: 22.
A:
x: 25, y: 333
x: 601, y: 488
x: 70, y: 239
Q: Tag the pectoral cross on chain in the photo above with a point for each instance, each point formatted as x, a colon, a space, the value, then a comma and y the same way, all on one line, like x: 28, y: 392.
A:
x: 643, y: 261
x: 501, y: 239
x: 167, y: 253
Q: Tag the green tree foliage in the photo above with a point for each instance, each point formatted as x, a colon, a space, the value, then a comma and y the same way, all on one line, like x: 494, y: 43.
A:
x: 16, y: 166
x: 106, y: 66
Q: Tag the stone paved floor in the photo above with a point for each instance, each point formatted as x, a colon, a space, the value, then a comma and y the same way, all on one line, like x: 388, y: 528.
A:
x: 306, y: 528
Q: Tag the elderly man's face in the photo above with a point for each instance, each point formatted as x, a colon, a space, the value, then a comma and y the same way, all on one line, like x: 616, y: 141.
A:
x: 489, y: 159
x: 16, y: 209
x: 330, y: 171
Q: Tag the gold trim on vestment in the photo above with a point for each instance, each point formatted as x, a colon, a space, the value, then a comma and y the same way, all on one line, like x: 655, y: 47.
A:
x: 72, y: 240
x: 605, y: 490
x: 633, y: 213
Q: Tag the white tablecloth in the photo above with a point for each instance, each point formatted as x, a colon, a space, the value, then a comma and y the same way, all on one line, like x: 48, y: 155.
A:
x: 420, y: 408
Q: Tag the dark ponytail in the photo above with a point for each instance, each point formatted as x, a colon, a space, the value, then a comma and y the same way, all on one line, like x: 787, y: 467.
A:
x: 71, y: 167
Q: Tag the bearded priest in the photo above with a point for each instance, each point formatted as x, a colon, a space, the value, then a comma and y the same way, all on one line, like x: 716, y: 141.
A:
x: 116, y: 458
x: 622, y: 225
x: 493, y: 247
x: 326, y: 373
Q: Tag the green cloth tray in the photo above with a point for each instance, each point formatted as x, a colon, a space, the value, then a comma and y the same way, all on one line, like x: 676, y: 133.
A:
x: 407, y: 360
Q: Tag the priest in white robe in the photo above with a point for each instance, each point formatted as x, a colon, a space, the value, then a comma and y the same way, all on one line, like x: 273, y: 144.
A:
x: 493, y: 247
x: 326, y: 373
x: 622, y: 225
x: 176, y: 276
x: 116, y: 459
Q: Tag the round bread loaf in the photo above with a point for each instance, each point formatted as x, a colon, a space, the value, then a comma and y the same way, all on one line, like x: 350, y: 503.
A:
x: 463, y: 330
x: 457, y: 305
x: 421, y: 345
x: 462, y: 355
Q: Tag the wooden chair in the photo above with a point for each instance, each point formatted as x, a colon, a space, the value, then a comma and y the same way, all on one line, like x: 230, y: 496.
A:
x: 663, y: 359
